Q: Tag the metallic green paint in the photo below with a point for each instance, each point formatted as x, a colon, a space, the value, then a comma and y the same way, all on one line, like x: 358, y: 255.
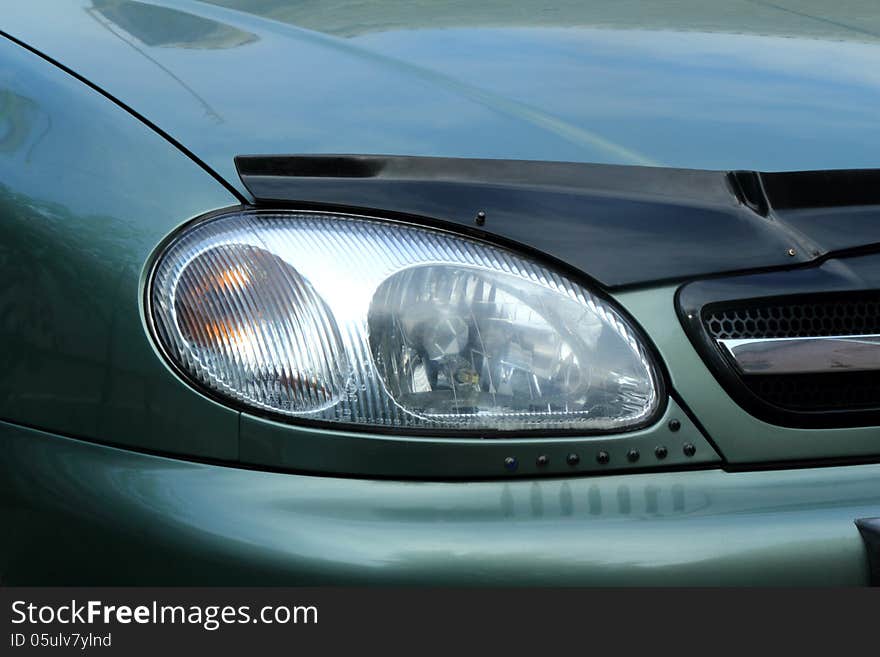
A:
x: 87, y: 514
x: 732, y: 85
x: 740, y: 437
x: 86, y: 193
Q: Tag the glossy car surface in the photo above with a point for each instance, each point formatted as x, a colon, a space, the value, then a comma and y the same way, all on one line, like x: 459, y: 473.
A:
x: 120, y: 123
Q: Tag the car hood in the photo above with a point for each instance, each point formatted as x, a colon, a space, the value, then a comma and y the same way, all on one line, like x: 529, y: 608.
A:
x: 753, y: 87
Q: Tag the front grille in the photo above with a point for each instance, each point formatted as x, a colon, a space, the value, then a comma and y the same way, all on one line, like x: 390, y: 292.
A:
x: 842, y: 315
x: 802, y: 316
x: 798, y: 347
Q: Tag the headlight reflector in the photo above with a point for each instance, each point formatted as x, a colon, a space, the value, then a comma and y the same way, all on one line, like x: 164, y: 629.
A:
x: 353, y: 320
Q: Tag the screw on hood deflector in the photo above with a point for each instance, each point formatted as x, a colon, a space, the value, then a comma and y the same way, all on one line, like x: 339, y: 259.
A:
x: 792, y: 190
x: 621, y: 225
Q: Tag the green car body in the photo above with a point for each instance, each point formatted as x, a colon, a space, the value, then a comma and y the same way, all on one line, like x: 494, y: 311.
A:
x: 114, y: 470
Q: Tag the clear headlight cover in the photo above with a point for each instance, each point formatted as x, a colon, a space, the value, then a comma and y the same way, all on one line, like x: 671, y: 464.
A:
x: 352, y: 320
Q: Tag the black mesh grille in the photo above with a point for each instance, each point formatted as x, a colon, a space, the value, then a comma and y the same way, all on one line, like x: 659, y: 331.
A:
x: 819, y: 315
x: 842, y: 316
x: 852, y: 391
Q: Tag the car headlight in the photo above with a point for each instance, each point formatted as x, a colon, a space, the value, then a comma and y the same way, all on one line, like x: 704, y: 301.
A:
x: 353, y: 320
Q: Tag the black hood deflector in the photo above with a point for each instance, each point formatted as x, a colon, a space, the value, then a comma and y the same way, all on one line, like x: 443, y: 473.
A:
x: 620, y: 225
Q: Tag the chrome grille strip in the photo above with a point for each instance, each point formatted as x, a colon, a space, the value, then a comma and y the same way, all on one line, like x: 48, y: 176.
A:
x: 805, y: 355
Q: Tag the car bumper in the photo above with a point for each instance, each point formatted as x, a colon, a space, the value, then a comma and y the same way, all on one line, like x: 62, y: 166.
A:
x: 80, y: 513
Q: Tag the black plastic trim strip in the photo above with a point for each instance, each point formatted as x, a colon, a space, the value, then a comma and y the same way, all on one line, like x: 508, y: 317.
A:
x: 825, y: 189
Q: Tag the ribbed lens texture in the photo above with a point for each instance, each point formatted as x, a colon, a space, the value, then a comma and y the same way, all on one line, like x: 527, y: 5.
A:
x: 345, y: 319
x: 246, y: 324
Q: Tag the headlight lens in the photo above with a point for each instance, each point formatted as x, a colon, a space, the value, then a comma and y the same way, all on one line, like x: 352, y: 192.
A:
x: 352, y: 320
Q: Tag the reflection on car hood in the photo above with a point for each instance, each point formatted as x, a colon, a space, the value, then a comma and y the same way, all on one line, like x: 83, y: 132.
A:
x: 759, y: 87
